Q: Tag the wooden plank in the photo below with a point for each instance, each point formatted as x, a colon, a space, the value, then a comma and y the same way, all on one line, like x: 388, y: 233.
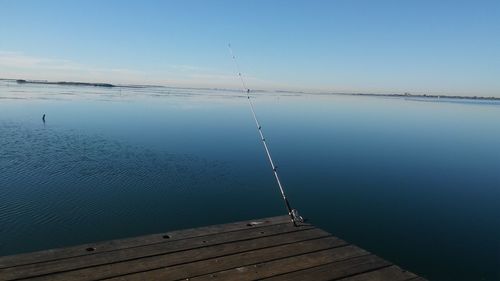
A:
x: 392, y: 273
x: 184, y: 257
x: 268, y: 249
x: 236, y: 260
x: 274, y: 234
x: 93, y: 248
x: 335, y: 270
x: 281, y: 266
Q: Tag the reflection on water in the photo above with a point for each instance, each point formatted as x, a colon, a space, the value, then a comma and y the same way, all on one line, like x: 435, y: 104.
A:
x: 415, y: 181
x: 62, y: 178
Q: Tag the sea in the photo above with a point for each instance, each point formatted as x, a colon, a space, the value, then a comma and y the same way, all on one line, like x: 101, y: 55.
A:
x: 413, y: 180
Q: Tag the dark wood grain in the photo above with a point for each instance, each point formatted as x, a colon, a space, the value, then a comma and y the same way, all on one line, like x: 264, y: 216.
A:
x: 235, y: 260
x: 335, y: 270
x: 150, y: 250
x: 269, y: 249
x: 281, y: 266
x: 392, y: 273
x: 184, y: 257
x: 81, y: 250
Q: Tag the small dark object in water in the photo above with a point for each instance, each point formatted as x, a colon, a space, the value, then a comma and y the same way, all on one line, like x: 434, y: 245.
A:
x: 43, y: 118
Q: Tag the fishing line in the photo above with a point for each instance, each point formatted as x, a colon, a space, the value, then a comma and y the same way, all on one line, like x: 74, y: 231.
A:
x: 293, y: 213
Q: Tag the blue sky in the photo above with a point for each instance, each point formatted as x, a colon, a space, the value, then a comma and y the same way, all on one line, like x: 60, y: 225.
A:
x: 450, y: 47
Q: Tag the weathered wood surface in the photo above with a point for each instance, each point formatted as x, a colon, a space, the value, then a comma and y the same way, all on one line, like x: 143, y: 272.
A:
x: 263, y: 249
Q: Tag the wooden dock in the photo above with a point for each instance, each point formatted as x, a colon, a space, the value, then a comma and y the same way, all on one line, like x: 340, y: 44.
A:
x: 263, y: 249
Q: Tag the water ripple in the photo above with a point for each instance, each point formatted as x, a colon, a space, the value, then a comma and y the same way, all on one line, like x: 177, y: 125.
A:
x: 66, y: 180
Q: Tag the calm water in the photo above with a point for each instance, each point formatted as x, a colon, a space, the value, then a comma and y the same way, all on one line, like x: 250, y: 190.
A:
x: 414, y: 181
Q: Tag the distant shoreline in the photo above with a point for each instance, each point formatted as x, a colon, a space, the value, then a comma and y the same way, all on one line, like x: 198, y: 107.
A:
x: 408, y: 95
x: 64, y: 83
x: 404, y: 95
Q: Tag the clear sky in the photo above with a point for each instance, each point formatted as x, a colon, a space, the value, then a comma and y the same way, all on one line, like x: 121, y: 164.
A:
x: 421, y: 46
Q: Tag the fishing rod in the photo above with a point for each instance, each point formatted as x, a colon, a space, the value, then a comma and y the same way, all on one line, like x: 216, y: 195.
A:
x: 293, y: 213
